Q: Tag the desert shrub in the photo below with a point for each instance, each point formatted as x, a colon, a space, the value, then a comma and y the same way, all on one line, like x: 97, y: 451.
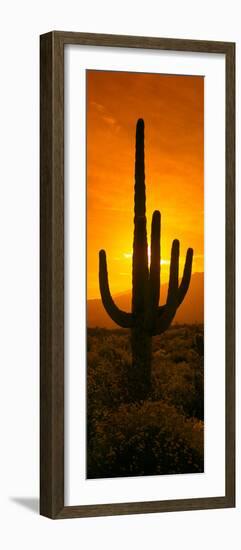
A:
x: 108, y: 363
x: 161, y: 435
x: 179, y: 384
x: 149, y: 438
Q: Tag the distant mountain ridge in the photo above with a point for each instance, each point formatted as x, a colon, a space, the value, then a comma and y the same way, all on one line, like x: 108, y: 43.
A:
x: 191, y: 310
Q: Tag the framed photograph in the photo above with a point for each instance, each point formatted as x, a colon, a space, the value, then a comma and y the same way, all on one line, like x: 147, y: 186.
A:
x: 137, y: 398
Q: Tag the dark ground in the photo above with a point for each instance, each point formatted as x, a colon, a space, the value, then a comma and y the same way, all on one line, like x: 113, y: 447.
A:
x: 164, y: 433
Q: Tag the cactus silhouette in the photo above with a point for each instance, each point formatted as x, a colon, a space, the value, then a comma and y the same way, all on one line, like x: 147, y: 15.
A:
x: 147, y: 317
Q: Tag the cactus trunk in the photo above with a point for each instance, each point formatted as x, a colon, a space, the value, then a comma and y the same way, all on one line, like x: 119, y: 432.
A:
x: 140, y: 375
x: 147, y: 318
x: 140, y: 339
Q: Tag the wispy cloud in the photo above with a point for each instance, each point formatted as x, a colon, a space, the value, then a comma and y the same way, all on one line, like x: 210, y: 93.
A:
x: 106, y: 117
x: 100, y: 108
x: 109, y: 120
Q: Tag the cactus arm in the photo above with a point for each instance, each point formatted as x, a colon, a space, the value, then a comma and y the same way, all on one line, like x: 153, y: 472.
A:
x: 155, y: 260
x: 165, y: 314
x: 172, y: 294
x: 140, y: 258
x: 120, y: 317
x: 183, y: 288
x: 163, y: 320
x: 176, y: 294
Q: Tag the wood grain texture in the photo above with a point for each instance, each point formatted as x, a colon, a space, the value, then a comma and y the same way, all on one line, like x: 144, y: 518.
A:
x: 52, y: 274
x: 51, y: 278
x: 230, y: 273
x: 143, y: 42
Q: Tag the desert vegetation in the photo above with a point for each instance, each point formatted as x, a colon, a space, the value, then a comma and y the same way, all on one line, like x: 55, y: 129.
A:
x: 160, y: 434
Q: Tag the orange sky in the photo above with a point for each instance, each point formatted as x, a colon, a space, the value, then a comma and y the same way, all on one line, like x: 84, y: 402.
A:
x: 173, y: 109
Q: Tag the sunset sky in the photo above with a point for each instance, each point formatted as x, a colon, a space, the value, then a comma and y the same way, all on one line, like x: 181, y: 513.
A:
x: 173, y: 110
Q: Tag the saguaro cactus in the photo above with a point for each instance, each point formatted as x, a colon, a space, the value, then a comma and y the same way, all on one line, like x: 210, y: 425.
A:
x: 147, y: 317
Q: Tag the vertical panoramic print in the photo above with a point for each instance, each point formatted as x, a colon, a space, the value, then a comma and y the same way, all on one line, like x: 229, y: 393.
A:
x: 145, y: 274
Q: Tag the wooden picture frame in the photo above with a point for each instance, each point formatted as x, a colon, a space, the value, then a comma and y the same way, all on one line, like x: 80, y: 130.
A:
x: 52, y: 274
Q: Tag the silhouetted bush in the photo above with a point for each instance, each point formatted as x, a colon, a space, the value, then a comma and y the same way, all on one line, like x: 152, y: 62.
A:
x: 163, y: 434
x: 151, y: 438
